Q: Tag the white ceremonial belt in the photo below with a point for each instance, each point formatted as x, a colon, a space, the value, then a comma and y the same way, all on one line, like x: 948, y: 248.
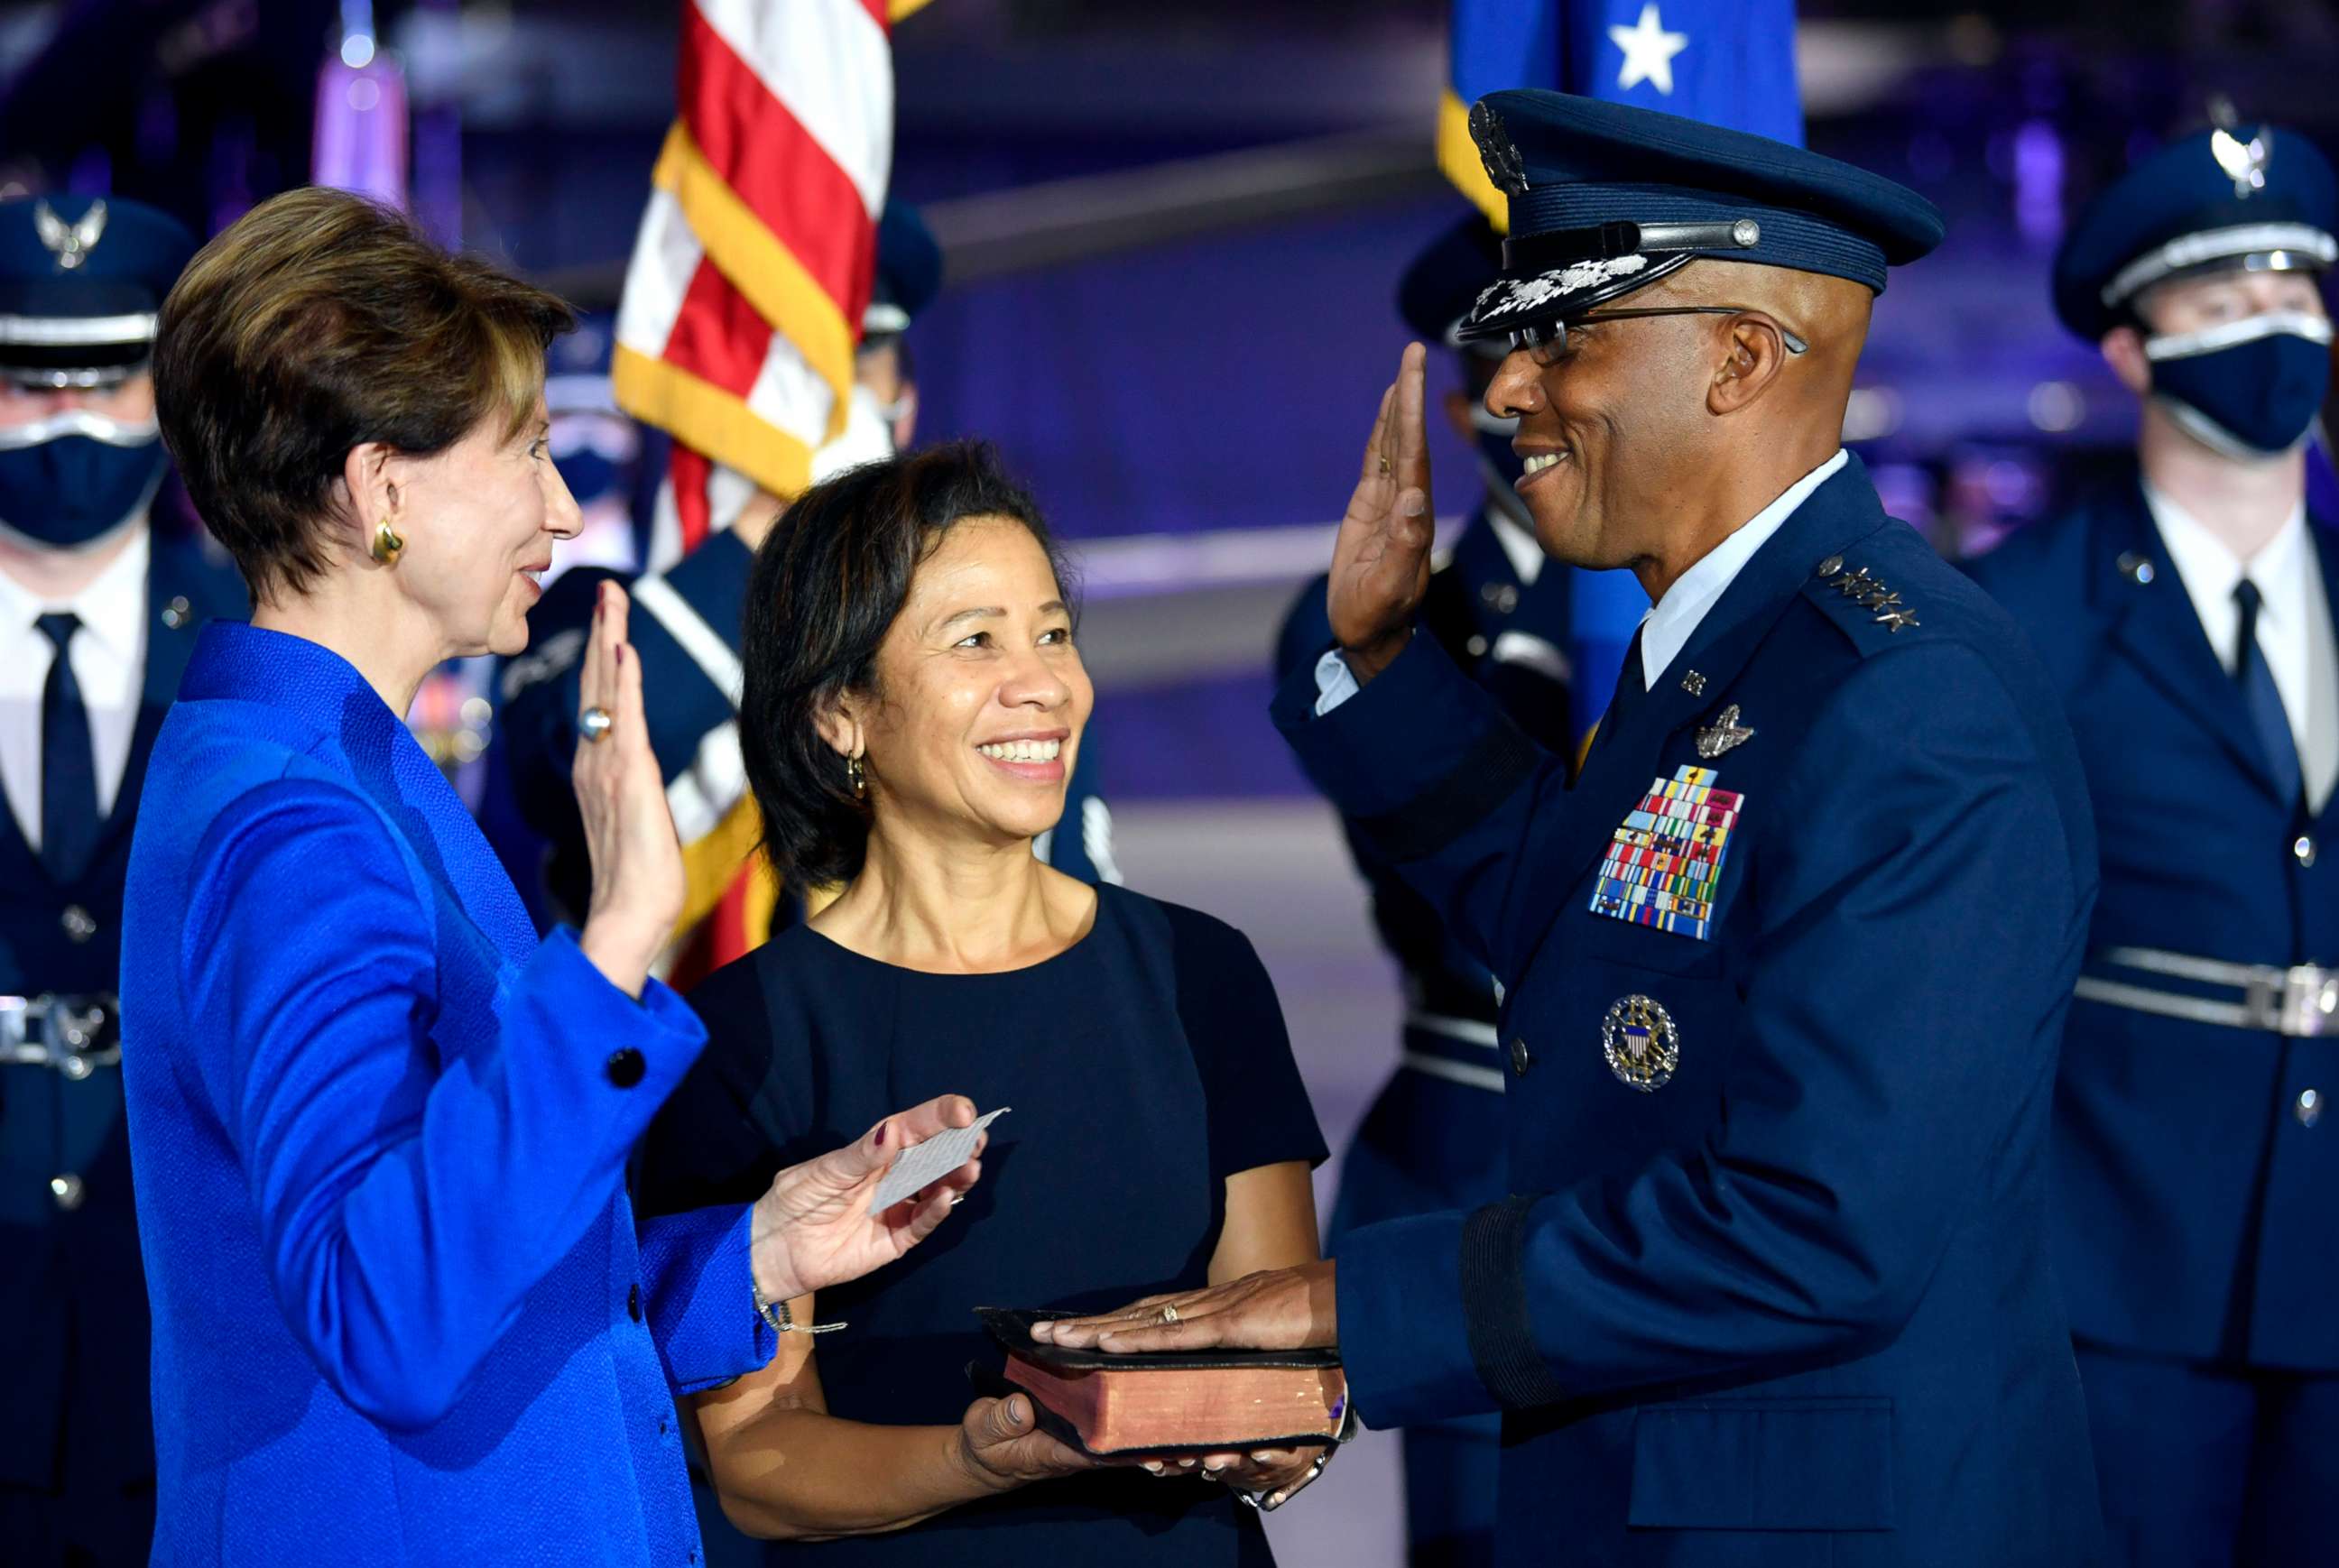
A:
x: 74, y: 1034
x: 2301, y: 1001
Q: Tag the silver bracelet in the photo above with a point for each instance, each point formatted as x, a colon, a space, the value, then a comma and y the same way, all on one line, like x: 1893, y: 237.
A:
x: 782, y: 1320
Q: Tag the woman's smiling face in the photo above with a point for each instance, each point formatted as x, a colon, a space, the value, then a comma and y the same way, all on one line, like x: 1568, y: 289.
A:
x: 981, y: 696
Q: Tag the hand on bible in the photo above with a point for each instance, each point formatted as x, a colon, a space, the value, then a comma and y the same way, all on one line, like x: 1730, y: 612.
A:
x: 1380, y: 562
x: 814, y: 1229
x: 1274, y: 1309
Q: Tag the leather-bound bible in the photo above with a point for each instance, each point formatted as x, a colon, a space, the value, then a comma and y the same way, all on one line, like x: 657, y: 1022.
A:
x: 1168, y: 1401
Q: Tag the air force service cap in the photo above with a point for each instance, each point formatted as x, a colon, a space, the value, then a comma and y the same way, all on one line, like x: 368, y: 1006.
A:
x: 2254, y: 197
x: 1605, y: 198
x: 81, y: 281
x: 909, y: 270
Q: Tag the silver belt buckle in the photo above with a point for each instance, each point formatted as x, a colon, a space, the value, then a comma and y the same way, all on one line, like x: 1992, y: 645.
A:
x: 2310, y: 999
x: 63, y: 1032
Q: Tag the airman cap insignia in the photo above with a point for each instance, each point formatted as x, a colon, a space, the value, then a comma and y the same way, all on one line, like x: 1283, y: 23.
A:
x: 69, y: 244
x: 1643, y: 1048
x: 2244, y: 163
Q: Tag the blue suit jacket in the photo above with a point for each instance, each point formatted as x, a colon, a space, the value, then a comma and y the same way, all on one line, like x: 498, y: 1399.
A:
x: 73, y: 1301
x: 403, y: 1315
x: 2192, y: 1206
x: 1803, y: 1288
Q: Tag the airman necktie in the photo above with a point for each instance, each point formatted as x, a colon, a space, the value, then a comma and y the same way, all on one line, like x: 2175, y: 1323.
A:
x: 2261, y: 697
x: 68, y: 764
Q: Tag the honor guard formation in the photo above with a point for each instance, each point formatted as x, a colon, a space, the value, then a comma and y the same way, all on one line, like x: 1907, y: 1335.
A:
x: 1861, y: 1079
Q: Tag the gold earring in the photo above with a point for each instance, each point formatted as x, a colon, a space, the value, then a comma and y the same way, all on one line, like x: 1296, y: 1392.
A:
x: 857, y: 776
x: 387, y: 543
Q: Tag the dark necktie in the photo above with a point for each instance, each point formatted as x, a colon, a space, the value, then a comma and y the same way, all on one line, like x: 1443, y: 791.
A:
x: 2261, y: 696
x: 68, y: 762
x: 1632, y: 689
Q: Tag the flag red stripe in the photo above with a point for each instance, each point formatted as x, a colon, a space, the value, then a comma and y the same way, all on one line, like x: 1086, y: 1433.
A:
x: 717, y: 335
x: 785, y: 178
x: 689, y: 471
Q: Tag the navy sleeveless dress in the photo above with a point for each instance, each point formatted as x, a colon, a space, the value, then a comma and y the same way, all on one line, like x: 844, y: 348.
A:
x: 1144, y: 1064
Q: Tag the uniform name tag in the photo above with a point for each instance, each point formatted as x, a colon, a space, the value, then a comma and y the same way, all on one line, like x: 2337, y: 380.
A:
x: 1664, y: 861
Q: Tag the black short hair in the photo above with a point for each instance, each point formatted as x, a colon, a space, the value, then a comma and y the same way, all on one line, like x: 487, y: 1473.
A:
x: 825, y: 587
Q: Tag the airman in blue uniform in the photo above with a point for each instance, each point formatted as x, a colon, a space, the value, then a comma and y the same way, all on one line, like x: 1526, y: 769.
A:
x: 1785, y: 967
x: 98, y: 612
x: 1433, y: 1136
x: 2185, y: 615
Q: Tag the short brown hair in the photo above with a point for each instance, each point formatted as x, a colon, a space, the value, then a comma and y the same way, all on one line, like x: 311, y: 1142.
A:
x: 315, y: 323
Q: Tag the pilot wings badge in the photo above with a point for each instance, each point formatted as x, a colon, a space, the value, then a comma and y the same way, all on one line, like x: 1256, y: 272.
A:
x: 1722, y: 734
x: 69, y: 244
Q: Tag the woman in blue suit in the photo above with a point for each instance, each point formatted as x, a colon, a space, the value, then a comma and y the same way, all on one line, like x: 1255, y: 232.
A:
x: 379, y: 1131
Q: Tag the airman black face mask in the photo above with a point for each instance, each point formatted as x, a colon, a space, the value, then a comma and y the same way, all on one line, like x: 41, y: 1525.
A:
x: 2249, y: 388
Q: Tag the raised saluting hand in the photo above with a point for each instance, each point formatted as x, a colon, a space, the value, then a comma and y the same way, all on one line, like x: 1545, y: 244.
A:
x: 1380, y: 562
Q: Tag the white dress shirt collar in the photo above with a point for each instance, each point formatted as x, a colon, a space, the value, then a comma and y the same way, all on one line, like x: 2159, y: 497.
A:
x: 1674, y: 618
x: 2293, y: 615
x: 108, y: 662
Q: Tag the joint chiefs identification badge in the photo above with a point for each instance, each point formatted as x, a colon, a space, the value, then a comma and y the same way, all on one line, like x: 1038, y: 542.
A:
x: 1642, y: 1046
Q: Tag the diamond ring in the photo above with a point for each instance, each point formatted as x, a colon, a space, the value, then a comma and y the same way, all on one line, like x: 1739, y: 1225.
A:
x: 594, y: 723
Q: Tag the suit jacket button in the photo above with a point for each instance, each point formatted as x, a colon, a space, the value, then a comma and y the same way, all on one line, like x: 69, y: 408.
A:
x: 176, y: 614
x: 2309, y: 1109
x: 634, y: 1303
x: 78, y: 924
x: 67, y: 1190
x: 2303, y: 848
x: 626, y: 1067
x: 1521, y: 1060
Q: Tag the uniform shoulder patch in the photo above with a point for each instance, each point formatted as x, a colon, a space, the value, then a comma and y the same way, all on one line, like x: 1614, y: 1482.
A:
x: 1857, y: 596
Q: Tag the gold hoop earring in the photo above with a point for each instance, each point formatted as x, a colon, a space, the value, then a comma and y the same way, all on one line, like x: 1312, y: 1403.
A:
x: 387, y: 543
x: 857, y: 776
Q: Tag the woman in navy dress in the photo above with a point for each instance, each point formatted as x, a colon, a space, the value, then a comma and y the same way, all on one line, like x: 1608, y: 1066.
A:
x: 914, y: 703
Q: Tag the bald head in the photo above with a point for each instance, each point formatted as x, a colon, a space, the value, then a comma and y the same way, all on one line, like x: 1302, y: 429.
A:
x: 1670, y: 431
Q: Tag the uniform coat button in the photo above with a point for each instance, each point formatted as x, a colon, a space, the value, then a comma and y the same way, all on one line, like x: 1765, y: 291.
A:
x: 626, y: 1067
x: 634, y: 1303
x: 67, y: 1190
x: 2302, y: 849
x: 2309, y: 1109
x: 78, y: 923
x: 1521, y: 1058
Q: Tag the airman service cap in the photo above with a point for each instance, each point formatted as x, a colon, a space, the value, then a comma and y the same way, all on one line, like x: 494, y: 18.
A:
x: 909, y: 270
x: 81, y: 281
x: 2255, y: 197
x: 1446, y: 280
x: 1606, y: 198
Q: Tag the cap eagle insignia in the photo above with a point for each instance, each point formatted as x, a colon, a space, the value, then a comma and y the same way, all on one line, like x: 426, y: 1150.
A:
x: 1504, y: 167
x: 2244, y: 163
x: 69, y: 244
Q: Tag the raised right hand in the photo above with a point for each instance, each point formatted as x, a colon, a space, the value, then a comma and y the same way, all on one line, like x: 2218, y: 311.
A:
x: 1380, y: 562
x: 637, y: 877
x: 1002, y: 1447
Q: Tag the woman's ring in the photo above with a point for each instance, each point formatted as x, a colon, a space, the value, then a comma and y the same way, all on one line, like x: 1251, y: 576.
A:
x: 1385, y: 466
x: 595, y: 722
x: 1169, y: 1314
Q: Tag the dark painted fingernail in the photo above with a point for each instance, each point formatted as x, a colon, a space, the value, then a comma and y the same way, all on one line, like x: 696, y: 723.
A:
x: 881, y: 1135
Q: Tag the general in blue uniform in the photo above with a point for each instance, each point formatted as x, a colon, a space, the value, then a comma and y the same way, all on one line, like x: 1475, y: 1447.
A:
x: 1433, y: 1136
x: 2185, y: 615
x: 1785, y: 968
x: 98, y: 612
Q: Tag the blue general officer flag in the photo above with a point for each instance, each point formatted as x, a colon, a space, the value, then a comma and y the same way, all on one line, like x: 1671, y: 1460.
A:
x: 1726, y: 61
